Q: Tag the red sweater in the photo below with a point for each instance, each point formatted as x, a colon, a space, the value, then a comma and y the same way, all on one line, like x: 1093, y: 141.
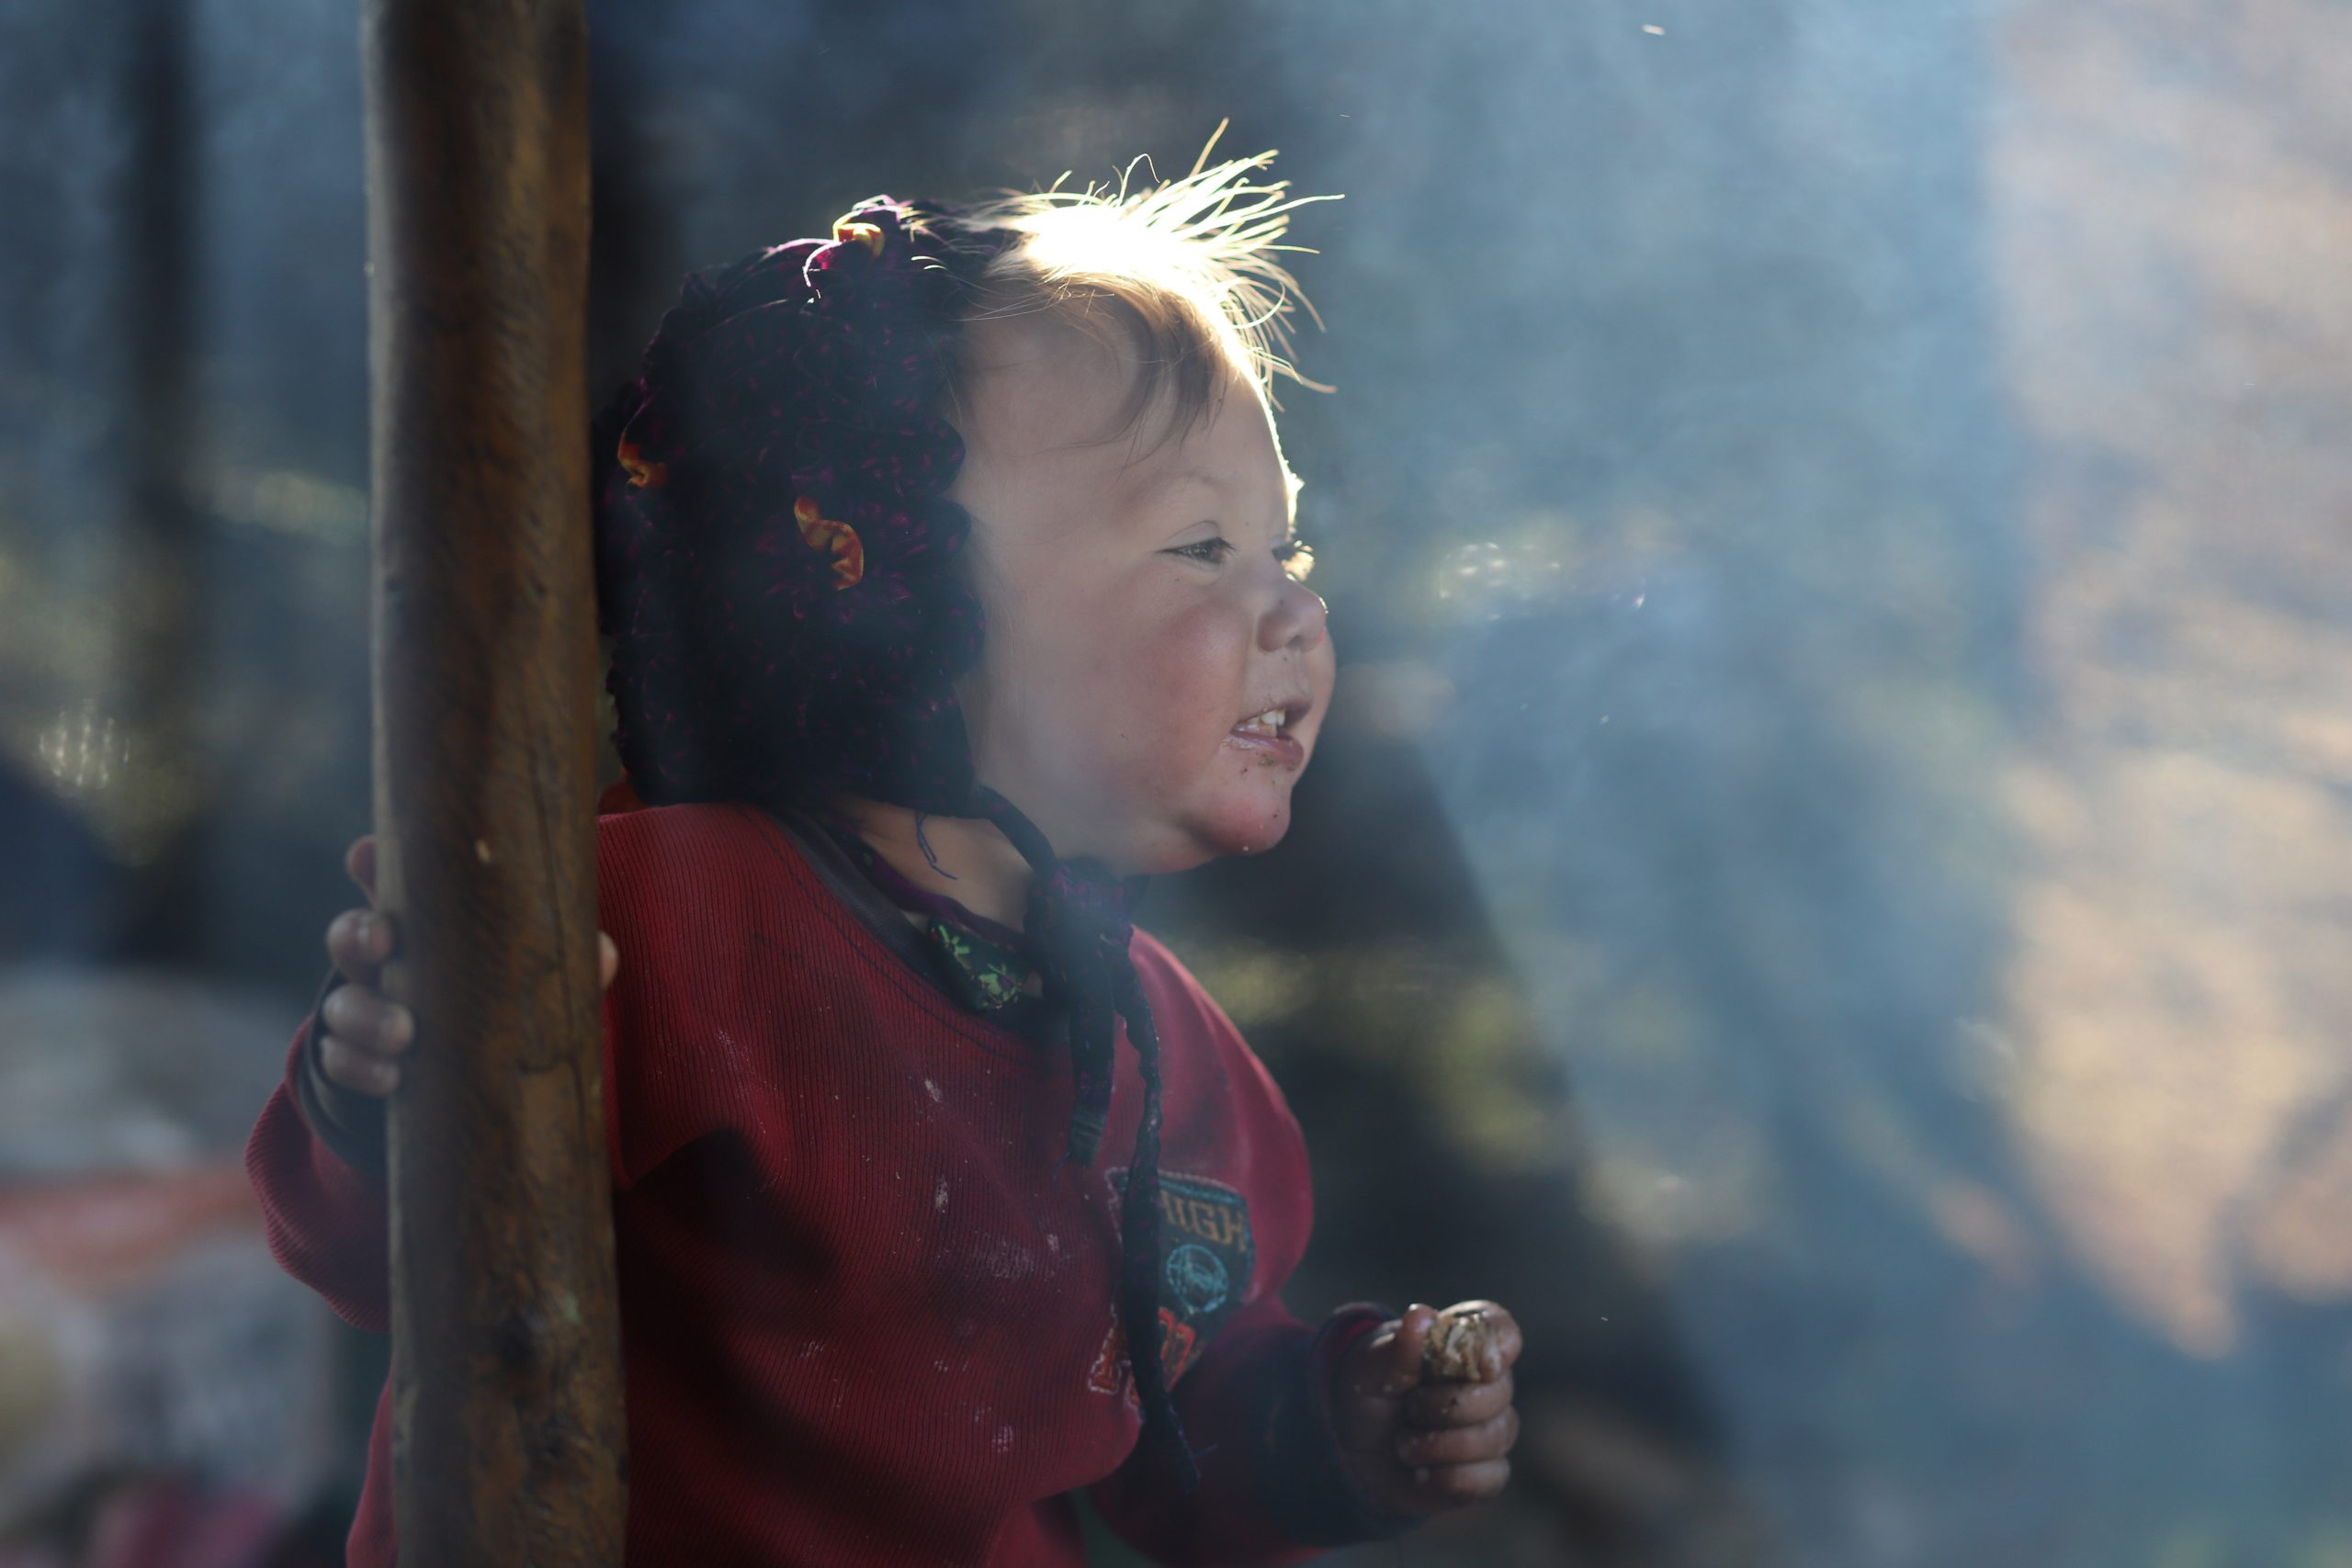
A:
x: 865, y: 1319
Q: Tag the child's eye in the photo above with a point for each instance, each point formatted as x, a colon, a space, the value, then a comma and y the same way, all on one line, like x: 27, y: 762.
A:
x: 1296, y: 557
x: 1216, y: 550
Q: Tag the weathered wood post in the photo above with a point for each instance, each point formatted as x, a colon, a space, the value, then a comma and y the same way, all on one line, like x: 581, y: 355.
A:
x: 505, y: 1332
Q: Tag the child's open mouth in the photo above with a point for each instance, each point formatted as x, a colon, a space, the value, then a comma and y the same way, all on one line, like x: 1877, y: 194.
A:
x: 1268, y: 733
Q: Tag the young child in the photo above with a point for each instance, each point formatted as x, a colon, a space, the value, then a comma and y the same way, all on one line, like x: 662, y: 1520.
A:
x: 913, y: 1135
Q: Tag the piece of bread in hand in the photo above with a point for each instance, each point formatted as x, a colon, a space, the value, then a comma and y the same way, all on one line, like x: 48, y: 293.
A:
x: 1461, y: 1346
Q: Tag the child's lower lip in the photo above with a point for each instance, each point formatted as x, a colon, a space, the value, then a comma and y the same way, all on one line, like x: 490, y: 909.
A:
x: 1279, y: 746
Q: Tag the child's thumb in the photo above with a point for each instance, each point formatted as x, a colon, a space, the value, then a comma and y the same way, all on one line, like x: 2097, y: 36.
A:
x: 608, y: 961
x: 360, y: 863
x: 1391, y: 1358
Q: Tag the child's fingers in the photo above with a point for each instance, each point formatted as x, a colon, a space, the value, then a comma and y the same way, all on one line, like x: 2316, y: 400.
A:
x: 1456, y: 1404
x: 361, y: 1018
x: 362, y: 1072
x: 1503, y: 1331
x: 608, y: 961
x: 358, y: 940
x: 1490, y: 1438
x: 1486, y: 1344
x: 1451, y: 1485
x: 360, y: 861
x: 366, y: 1033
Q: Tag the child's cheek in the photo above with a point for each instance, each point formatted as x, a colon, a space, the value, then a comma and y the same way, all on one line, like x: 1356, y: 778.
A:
x: 1170, y: 688
x: 1193, y: 676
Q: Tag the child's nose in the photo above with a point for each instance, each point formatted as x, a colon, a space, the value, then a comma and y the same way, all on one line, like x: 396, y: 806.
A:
x: 1299, y: 619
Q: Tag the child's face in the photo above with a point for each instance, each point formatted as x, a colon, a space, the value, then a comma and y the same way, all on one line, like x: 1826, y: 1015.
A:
x: 1124, y: 644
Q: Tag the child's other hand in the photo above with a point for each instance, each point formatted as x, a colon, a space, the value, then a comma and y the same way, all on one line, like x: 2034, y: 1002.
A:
x: 367, y: 1033
x: 1418, y: 1446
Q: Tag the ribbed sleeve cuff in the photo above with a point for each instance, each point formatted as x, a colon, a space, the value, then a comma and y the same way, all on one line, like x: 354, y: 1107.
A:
x: 1302, y: 1478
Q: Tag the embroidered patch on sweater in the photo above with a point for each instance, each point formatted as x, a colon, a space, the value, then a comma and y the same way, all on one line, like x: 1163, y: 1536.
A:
x: 1206, y: 1255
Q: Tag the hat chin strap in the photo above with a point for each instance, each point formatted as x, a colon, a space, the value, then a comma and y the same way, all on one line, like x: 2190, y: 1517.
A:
x: 1077, y: 921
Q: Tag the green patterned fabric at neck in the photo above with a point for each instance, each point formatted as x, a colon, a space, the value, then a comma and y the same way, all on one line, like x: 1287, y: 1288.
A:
x: 989, y: 978
x: 979, y: 967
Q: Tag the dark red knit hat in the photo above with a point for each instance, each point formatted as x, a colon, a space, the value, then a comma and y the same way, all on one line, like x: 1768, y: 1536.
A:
x: 776, y: 554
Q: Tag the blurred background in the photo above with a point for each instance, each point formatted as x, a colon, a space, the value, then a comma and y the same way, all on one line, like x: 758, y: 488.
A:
x: 1827, y: 884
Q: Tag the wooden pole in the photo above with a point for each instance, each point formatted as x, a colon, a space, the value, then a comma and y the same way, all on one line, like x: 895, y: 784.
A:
x: 508, y: 1436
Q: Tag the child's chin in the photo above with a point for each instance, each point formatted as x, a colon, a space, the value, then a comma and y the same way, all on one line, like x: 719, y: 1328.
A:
x: 1248, y: 828
x: 1249, y: 833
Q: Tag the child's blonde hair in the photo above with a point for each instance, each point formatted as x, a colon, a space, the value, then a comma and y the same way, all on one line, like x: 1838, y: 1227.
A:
x: 1182, y: 276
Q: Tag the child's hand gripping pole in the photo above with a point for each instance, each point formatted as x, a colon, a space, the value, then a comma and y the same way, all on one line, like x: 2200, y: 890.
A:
x: 367, y: 1035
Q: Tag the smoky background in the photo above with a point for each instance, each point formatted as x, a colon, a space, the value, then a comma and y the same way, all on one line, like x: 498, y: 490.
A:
x: 1825, y: 886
